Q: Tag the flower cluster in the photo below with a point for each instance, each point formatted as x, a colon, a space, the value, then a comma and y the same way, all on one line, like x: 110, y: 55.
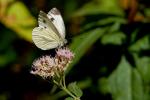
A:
x: 48, y: 66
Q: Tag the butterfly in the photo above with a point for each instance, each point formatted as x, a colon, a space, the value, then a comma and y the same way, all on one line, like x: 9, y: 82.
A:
x: 50, y: 33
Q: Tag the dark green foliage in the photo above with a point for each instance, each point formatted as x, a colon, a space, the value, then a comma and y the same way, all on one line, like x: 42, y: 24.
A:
x: 110, y: 39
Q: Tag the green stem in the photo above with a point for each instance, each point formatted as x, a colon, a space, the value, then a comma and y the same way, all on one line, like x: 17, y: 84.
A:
x: 64, y: 88
x: 62, y: 85
x: 67, y: 91
x: 64, y: 82
x: 53, y: 89
x: 56, y: 82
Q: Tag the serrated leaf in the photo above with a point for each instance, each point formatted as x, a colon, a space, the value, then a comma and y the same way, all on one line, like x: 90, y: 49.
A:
x: 125, y: 83
x: 75, y: 89
x: 120, y: 81
x: 69, y: 98
x: 83, y: 42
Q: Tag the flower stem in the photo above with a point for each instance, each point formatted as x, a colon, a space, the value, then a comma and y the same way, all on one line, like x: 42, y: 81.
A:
x: 66, y: 90
x: 64, y: 82
x: 62, y: 85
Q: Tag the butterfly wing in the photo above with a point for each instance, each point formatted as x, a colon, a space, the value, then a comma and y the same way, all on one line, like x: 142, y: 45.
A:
x: 57, y: 20
x: 46, y: 35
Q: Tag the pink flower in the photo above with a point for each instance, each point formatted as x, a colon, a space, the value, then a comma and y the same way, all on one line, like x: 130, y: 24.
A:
x: 43, y: 66
x: 65, y: 52
x: 48, y: 66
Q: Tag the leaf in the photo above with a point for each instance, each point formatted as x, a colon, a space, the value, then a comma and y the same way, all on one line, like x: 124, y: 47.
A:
x: 69, y: 98
x: 141, y: 44
x: 133, y: 35
x: 6, y: 39
x: 86, y: 83
x: 115, y: 27
x: 112, y: 19
x: 103, y: 85
x: 147, y: 12
x: 106, y: 21
x: 69, y: 8
x: 75, y: 89
x: 7, y: 57
x: 3, y: 6
x: 137, y: 86
x: 100, y: 6
x: 120, y: 81
x: 19, y: 21
x: 83, y: 42
x: 115, y: 38
x: 125, y: 83
x: 143, y: 66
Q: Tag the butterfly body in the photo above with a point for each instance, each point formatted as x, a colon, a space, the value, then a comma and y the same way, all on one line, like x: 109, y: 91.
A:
x: 51, y: 31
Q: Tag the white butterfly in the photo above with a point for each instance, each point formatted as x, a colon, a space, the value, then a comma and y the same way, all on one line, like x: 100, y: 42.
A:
x: 51, y: 31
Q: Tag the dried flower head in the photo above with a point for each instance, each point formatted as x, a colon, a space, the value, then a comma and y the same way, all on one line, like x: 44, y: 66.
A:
x: 48, y: 66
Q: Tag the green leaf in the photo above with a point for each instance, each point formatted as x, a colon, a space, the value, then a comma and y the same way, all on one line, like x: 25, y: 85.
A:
x: 100, y: 6
x: 115, y: 38
x: 103, y: 85
x: 69, y: 98
x: 106, y: 21
x: 81, y: 44
x: 20, y: 21
x: 116, y: 20
x: 6, y: 39
x: 75, y: 89
x: 125, y: 83
x: 120, y: 81
x: 7, y: 57
x: 147, y: 12
x: 115, y: 27
x: 143, y: 66
x: 86, y: 83
x: 137, y: 86
x: 70, y: 6
x: 141, y: 44
x: 133, y: 35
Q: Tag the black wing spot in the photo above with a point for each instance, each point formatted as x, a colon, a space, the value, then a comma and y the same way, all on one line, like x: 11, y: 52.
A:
x: 44, y: 25
x: 52, y: 19
x: 44, y: 21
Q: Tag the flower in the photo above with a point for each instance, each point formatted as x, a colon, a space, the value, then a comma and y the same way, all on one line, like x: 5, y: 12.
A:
x: 43, y: 66
x: 63, y: 57
x: 65, y: 52
x: 48, y: 66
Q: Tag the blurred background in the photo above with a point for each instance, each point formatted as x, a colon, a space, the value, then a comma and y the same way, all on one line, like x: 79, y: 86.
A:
x: 110, y: 39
